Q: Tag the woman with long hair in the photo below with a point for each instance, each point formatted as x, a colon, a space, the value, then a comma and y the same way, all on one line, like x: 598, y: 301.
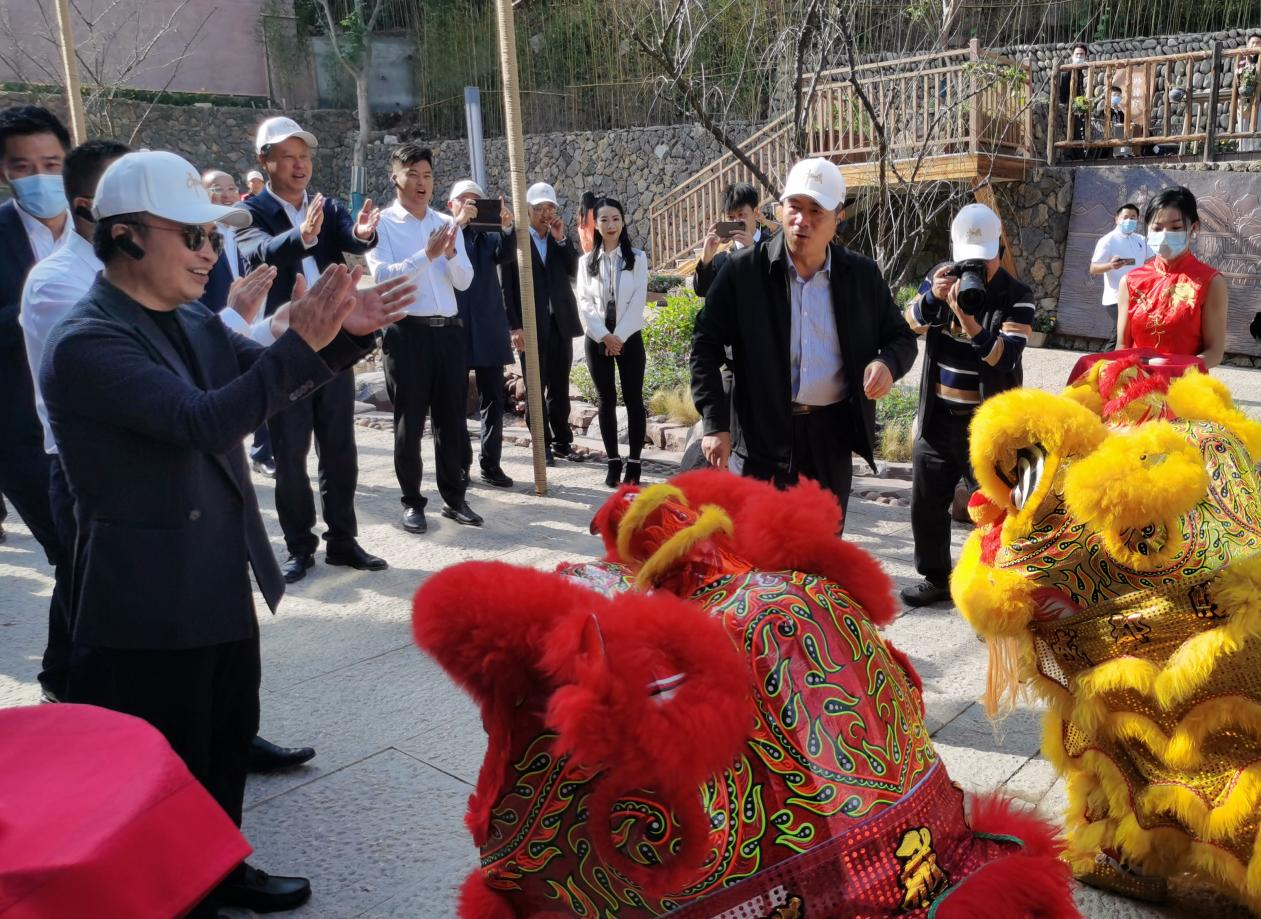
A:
x: 612, y: 291
x: 1174, y: 304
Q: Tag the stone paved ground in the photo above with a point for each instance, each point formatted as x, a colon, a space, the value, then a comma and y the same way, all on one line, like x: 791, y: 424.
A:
x: 376, y: 819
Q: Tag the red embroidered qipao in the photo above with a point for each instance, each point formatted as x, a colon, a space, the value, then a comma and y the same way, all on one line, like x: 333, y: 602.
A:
x: 1167, y: 304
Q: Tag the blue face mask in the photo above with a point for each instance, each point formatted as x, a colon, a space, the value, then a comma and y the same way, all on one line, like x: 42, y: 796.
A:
x: 1129, y: 225
x: 1168, y: 244
x: 41, y: 195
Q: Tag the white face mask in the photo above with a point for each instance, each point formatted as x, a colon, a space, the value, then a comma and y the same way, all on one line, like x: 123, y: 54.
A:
x: 1168, y: 244
x: 1116, y: 98
x: 1079, y: 58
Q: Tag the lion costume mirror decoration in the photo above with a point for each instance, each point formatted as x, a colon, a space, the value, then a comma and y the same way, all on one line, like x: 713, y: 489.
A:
x: 1114, y: 572
x: 707, y: 723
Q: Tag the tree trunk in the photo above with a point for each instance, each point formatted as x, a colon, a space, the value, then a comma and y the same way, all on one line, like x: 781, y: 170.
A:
x: 361, y: 104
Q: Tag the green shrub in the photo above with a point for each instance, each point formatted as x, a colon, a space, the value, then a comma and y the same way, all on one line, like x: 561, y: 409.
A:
x: 580, y: 376
x: 904, y: 295
x: 663, y: 283
x: 668, y: 342
x: 895, y: 415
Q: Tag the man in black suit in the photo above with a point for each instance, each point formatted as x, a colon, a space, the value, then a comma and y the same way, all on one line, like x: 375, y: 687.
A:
x: 301, y: 235
x: 149, y: 397
x: 555, y: 261
x: 815, y: 338
x: 739, y: 205
x: 33, y: 146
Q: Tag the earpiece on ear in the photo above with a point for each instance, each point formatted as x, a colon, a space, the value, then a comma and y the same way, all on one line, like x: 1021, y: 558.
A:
x: 128, y: 245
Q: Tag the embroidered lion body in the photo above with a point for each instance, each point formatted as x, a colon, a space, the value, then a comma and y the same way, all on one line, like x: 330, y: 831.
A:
x: 1115, y: 573
x: 705, y: 724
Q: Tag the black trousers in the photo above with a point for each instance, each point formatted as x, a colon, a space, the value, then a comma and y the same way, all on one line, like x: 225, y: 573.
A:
x: 24, y: 482
x: 56, y: 663
x: 557, y: 352
x: 490, y: 392
x: 822, y: 449
x: 426, y: 373
x: 630, y: 367
x: 329, y: 415
x: 939, y: 458
x: 203, y: 700
x: 1111, y: 343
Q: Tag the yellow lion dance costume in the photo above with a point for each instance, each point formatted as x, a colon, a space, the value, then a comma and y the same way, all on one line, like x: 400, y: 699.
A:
x: 1115, y: 573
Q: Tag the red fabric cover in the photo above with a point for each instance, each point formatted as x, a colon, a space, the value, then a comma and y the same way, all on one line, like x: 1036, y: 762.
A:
x: 1171, y: 366
x: 99, y: 817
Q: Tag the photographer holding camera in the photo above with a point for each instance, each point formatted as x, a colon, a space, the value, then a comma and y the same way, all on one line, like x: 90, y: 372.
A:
x: 976, y: 318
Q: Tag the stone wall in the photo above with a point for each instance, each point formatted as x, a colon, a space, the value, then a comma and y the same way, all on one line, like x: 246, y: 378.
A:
x: 1035, y: 217
x: 636, y: 165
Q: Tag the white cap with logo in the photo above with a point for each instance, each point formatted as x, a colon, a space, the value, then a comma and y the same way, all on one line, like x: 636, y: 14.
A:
x: 280, y: 128
x: 975, y: 233
x: 464, y: 187
x: 818, y: 179
x: 163, y: 184
x: 541, y: 193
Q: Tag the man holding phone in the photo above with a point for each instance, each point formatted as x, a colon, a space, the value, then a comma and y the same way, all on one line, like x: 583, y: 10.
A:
x: 737, y: 230
x: 426, y: 368
x: 1116, y: 255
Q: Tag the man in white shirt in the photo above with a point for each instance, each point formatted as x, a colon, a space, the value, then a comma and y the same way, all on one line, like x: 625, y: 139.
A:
x: 426, y: 368
x: 1116, y: 255
x: 33, y: 145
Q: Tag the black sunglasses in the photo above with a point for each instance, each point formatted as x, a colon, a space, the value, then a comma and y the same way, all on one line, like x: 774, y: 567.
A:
x: 194, y: 236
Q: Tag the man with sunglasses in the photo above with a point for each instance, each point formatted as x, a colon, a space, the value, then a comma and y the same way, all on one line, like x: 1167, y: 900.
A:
x: 301, y: 234
x: 149, y: 396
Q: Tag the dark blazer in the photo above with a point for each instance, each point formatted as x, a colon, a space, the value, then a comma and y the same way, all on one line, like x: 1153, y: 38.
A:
x: 749, y: 310
x: 168, y: 522
x: 215, y: 296
x: 554, y: 286
x: 272, y: 240
x: 483, y: 307
x: 16, y: 260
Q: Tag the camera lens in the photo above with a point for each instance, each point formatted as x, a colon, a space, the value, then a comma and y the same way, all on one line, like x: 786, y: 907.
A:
x: 971, y: 292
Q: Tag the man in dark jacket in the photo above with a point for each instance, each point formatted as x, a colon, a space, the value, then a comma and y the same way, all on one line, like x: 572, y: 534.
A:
x: 149, y: 397
x: 301, y: 235
x: 739, y: 205
x: 968, y: 357
x: 814, y: 337
x: 555, y: 265
x: 485, y: 318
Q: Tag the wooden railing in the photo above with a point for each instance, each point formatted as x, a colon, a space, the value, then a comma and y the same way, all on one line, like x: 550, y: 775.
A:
x: 1162, y: 111
x: 964, y: 101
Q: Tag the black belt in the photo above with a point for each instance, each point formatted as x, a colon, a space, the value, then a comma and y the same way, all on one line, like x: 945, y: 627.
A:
x: 802, y: 408
x: 435, y: 321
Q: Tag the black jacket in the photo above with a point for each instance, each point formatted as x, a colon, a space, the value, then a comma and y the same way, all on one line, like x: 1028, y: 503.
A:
x: 1003, y: 295
x: 19, y: 425
x: 554, y: 286
x: 272, y: 240
x: 168, y: 522
x: 483, y: 307
x: 748, y: 309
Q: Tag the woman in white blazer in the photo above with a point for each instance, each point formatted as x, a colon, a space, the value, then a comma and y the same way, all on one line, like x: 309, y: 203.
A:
x: 612, y: 290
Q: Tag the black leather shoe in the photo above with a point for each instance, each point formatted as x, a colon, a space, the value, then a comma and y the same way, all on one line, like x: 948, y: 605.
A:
x: 295, y: 566
x: 614, y: 476
x: 551, y: 457
x: 264, y: 467
x: 265, y: 756
x: 352, y: 555
x: 496, y: 477
x: 463, y: 514
x: 414, y: 520
x: 925, y: 593
x: 262, y: 892
x: 567, y: 451
x: 633, y: 470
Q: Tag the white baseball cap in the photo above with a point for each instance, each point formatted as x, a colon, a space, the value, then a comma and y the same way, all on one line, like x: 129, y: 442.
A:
x: 975, y: 233
x: 163, y: 184
x: 252, y: 175
x: 541, y: 193
x: 818, y: 179
x: 274, y: 130
x: 463, y: 187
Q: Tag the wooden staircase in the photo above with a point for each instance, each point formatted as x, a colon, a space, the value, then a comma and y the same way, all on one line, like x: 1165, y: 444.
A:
x: 957, y: 116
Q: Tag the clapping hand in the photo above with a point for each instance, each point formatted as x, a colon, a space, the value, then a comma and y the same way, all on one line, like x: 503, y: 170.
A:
x: 366, y: 225
x: 247, y: 293
x: 442, y: 242
x: 313, y: 222
x: 376, y: 307
x: 317, y: 314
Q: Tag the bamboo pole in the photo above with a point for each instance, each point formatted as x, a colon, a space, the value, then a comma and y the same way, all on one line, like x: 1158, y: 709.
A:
x: 70, y: 65
x: 525, y: 258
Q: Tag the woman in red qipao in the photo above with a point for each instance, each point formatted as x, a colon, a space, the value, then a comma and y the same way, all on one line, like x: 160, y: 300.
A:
x: 1175, y: 304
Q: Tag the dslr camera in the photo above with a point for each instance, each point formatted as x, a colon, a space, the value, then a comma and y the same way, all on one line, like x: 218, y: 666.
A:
x: 971, y: 294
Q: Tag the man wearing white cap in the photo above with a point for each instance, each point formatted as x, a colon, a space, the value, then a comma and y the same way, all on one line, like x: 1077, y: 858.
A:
x: 254, y: 182
x: 426, y: 369
x: 301, y: 235
x: 975, y: 318
x: 482, y: 309
x: 149, y: 396
x: 554, y: 258
x: 815, y: 337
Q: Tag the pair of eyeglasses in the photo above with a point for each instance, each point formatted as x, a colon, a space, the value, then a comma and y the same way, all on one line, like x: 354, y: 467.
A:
x: 194, y: 236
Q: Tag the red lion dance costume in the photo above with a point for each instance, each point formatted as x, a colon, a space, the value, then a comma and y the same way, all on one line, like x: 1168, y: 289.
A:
x: 707, y: 723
